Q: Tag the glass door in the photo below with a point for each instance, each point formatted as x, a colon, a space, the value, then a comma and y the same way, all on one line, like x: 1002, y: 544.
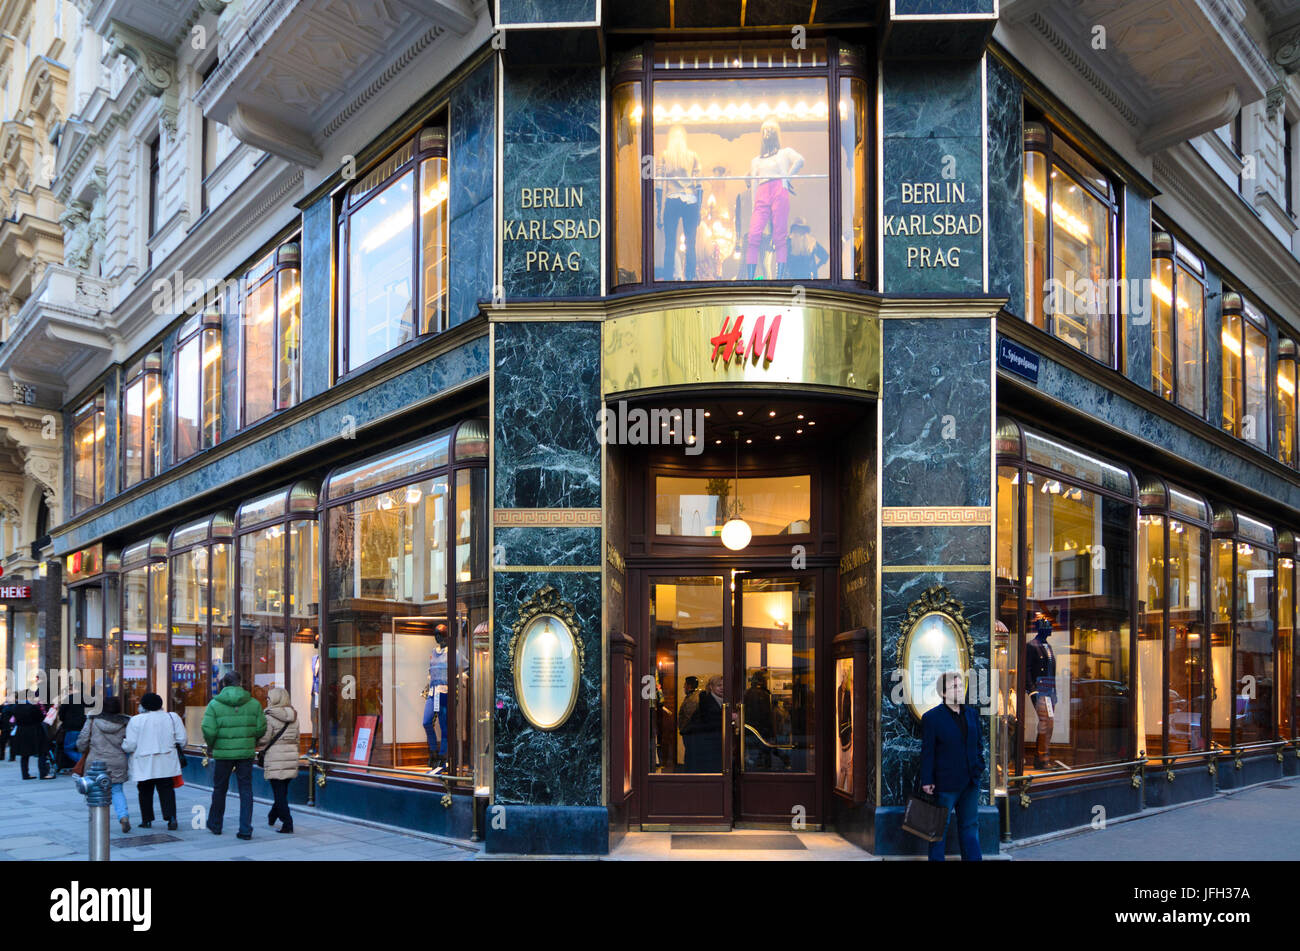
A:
x: 775, y: 677
x: 690, y: 706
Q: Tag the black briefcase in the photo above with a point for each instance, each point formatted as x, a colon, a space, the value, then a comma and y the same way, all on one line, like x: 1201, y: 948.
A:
x: 924, y: 817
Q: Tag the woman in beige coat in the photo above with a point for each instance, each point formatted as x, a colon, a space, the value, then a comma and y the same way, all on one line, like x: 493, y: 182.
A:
x: 280, y: 741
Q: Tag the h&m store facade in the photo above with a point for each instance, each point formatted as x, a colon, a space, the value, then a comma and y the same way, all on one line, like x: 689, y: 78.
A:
x: 483, y: 542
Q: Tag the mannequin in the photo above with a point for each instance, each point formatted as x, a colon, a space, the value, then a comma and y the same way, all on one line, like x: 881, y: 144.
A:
x: 435, y: 703
x: 315, y: 694
x: 771, y: 195
x: 677, y: 201
x: 1040, y: 685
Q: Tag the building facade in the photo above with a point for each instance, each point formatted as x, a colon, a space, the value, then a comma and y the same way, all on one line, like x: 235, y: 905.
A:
x: 492, y: 377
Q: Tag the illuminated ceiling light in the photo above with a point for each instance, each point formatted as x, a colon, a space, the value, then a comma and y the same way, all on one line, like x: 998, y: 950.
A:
x: 771, y: 412
x: 707, y: 414
x: 812, y: 422
x: 801, y: 416
x: 736, y: 532
x: 778, y: 437
x: 385, y: 502
x: 413, y: 495
x: 740, y: 412
x: 798, y: 432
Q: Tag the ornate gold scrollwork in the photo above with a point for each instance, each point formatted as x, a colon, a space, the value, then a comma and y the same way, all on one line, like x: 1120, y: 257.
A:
x: 446, y: 800
x: 935, y: 600
x: 1136, y: 778
x: 1169, y: 775
x: 546, y: 601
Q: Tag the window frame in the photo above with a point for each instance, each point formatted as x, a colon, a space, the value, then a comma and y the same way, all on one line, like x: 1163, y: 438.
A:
x: 844, y: 61
x: 149, y: 366
x: 144, y: 556
x: 154, y: 165
x: 1288, y: 351
x: 1166, y: 246
x: 1017, y: 459
x: 1236, y: 305
x: 1114, y: 204
x: 195, y: 328
x: 92, y: 408
x: 456, y: 462
x: 438, y: 125
x: 207, y: 130
x: 220, y: 525
x: 285, y: 257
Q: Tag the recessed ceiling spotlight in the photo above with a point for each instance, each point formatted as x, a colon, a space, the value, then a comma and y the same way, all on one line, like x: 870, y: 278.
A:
x: 778, y: 437
x: 801, y: 415
x: 771, y: 412
x: 748, y: 441
x: 812, y: 422
x: 707, y: 414
x: 798, y: 431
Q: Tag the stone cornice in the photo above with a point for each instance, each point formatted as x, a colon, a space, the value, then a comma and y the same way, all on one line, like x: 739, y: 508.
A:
x: 112, y: 116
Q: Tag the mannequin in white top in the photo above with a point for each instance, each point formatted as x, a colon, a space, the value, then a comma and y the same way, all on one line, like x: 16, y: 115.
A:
x: 771, y: 190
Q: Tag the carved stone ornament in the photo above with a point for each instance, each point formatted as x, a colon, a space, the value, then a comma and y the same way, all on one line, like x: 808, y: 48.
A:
x: 1287, y: 54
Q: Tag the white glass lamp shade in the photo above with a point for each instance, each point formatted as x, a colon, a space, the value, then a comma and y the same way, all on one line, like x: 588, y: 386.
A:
x: 736, y: 533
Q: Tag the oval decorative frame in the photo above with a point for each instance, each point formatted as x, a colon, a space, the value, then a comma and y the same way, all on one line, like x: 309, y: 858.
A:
x: 545, y: 613
x: 936, y: 602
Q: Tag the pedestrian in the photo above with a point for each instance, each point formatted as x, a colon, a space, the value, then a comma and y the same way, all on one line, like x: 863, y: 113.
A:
x: 102, y: 738
x: 279, y: 745
x: 30, y: 738
x: 952, y: 763
x: 73, y: 717
x: 154, y: 738
x: 6, y: 728
x: 232, y: 725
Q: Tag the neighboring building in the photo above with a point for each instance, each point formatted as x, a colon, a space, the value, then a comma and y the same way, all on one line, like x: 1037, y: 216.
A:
x: 349, y: 441
x: 33, y: 100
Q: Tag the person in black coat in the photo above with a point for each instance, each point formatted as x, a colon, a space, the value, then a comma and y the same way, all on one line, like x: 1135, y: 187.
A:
x: 29, y: 737
x: 952, y: 764
x: 72, y: 717
x: 706, y: 729
x: 758, y: 714
x: 6, y: 730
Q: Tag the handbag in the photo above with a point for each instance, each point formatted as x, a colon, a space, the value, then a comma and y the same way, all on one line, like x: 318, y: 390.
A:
x: 177, y: 782
x: 924, y: 817
x: 261, y: 754
x: 80, y: 768
x: 180, y: 755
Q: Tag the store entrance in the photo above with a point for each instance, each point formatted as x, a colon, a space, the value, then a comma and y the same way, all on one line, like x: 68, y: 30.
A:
x: 730, y: 733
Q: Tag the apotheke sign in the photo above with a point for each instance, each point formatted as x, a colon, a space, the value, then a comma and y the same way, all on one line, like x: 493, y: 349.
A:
x: 15, y: 592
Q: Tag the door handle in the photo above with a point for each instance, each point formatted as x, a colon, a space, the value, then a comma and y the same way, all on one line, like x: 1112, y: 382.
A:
x: 726, y: 760
x: 740, y: 732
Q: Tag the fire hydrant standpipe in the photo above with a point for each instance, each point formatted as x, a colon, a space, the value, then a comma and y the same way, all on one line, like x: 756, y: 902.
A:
x: 98, y: 790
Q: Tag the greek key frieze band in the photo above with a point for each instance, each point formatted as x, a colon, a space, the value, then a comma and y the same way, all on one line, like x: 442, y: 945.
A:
x: 937, y: 515
x: 539, y: 518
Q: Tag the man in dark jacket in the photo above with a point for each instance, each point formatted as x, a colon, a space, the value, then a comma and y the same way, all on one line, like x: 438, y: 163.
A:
x: 72, y: 716
x: 29, y: 737
x: 952, y: 764
x: 232, y: 724
x: 6, y: 729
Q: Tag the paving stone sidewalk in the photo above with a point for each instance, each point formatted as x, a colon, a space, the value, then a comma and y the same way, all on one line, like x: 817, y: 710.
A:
x: 48, y: 819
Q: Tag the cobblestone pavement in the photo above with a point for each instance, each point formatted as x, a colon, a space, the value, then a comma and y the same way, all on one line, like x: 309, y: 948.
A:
x: 48, y: 819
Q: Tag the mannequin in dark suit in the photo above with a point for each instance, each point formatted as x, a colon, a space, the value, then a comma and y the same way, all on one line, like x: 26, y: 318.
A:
x: 1040, y: 686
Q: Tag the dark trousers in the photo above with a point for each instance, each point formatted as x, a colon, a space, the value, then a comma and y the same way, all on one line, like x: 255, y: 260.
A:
x: 280, y: 808
x: 221, y: 770
x: 967, y: 802
x: 41, y: 768
x: 6, y: 740
x: 166, y: 798
x: 688, y: 214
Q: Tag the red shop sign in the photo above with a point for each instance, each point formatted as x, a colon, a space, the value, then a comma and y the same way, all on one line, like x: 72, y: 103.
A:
x: 14, y: 592
x: 729, y: 343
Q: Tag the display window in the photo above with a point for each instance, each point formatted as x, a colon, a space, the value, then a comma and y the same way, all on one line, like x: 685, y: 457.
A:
x: 1071, y: 254
x: 393, y: 251
x: 1245, y: 371
x: 279, y: 595
x: 91, y: 577
x: 406, y: 620
x: 197, y: 401
x: 1066, y: 602
x: 1178, y: 364
x: 142, y: 420
x: 1286, y: 402
x: 199, y: 652
x: 24, y: 647
x: 1244, y: 616
x: 1173, y: 687
x: 698, y: 507
x: 1287, y: 687
x: 271, y: 325
x: 88, y: 454
x: 759, y: 164
x: 144, y: 622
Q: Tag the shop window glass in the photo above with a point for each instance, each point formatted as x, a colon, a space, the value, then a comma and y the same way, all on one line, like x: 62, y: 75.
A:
x: 1285, y: 645
x: 198, y: 384
x: 744, y: 168
x: 1286, y: 403
x: 88, y: 455
x: 190, y: 607
x: 158, y: 607
x: 87, y: 613
x: 698, y: 507
x: 1178, y: 327
x: 1079, y: 556
x: 1245, y: 372
x: 1254, y: 425
x: 1188, y: 699
x: 271, y: 321
x: 1076, y: 464
x: 135, y: 637
x: 395, y: 249
x: 304, y: 607
x: 1253, y: 709
x: 402, y: 464
x: 142, y: 421
x: 1221, y: 692
x: 1008, y: 534
x: 261, y: 608
x: 1151, y: 623
x: 1071, y: 263
x: 112, y: 638
x: 472, y: 733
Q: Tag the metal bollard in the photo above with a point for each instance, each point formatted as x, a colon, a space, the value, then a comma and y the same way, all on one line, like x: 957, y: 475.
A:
x: 97, y: 789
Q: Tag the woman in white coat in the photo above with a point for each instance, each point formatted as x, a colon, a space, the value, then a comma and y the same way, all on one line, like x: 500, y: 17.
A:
x: 152, y: 738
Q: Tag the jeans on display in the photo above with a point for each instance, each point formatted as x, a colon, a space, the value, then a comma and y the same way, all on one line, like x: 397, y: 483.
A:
x: 1045, y: 723
x: 280, y: 808
x: 166, y: 798
x: 967, y: 802
x: 688, y: 213
x: 771, y: 204
x: 221, y: 770
x: 431, y: 737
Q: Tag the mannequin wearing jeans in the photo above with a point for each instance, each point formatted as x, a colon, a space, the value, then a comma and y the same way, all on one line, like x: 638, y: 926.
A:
x: 677, y: 195
x: 771, y: 167
x: 435, y: 703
